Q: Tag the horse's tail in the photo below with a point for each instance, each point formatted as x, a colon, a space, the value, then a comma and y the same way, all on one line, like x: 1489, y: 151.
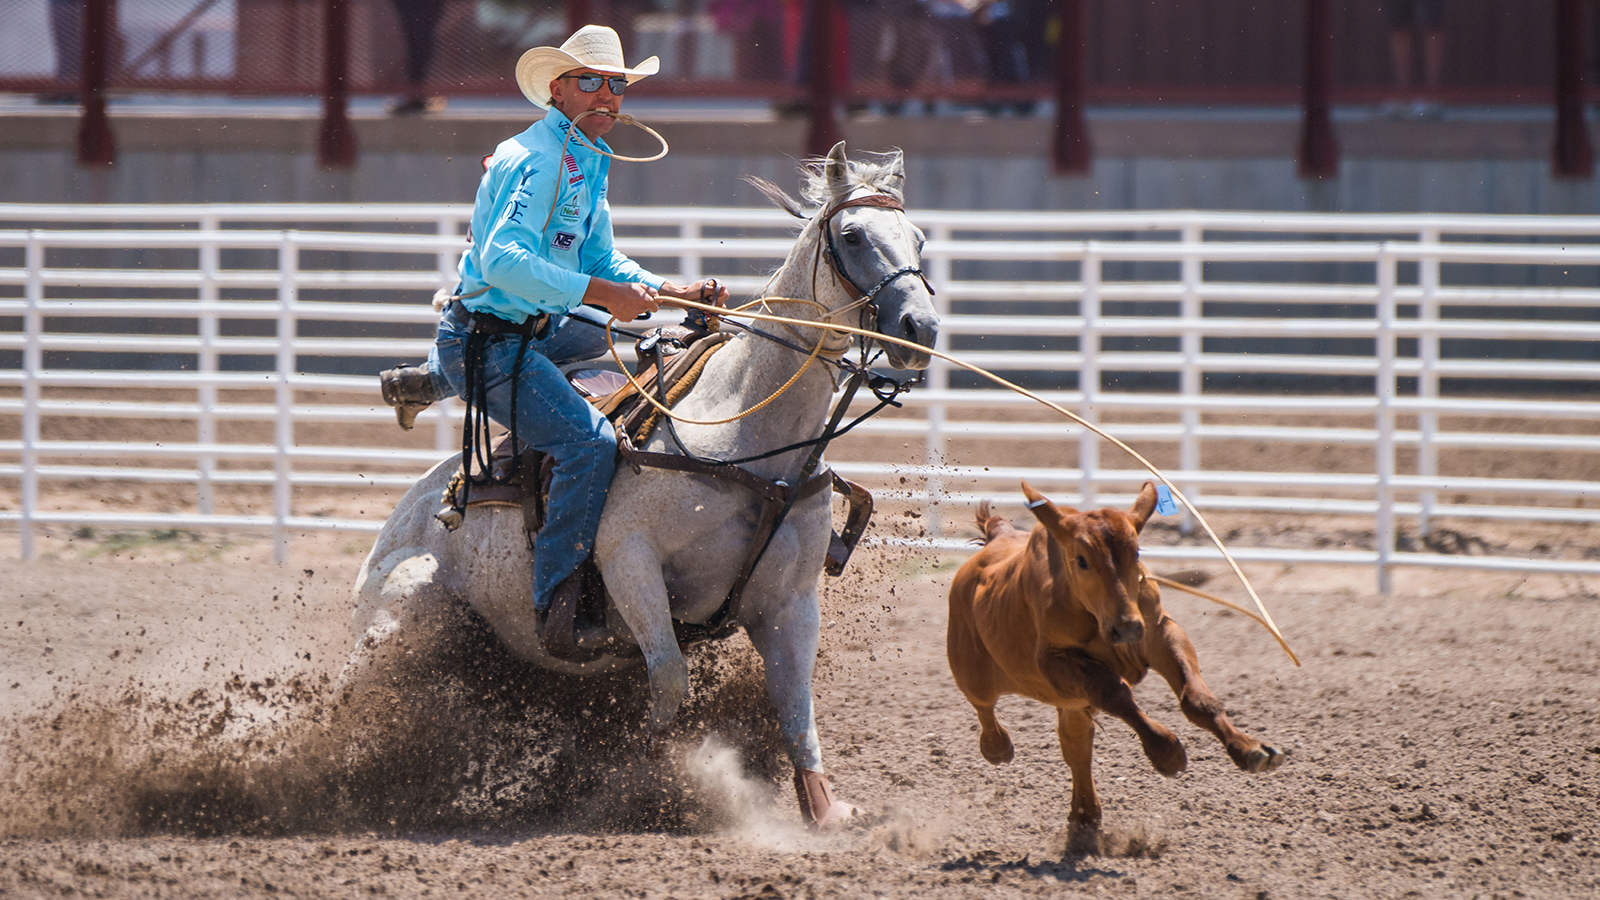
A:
x: 991, y: 526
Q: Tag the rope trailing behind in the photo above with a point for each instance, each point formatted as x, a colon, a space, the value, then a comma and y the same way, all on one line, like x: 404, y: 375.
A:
x: 1266, y: 617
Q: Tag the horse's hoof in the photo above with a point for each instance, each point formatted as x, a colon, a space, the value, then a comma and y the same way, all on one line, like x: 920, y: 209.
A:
x: 669, y: 684
x: 818, y: 807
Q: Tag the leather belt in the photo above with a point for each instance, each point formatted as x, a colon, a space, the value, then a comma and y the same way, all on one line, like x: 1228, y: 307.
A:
x: 535, y: 327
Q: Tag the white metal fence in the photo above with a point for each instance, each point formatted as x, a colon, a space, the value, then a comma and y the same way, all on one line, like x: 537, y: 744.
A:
x: 1406, y: 340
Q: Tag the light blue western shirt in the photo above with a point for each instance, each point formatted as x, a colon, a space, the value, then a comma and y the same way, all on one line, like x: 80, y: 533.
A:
x: 531, y: 267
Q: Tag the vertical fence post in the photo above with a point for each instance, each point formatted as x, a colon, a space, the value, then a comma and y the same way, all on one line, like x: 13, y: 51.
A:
x: 336, y: 143
x: 689, y: 266
x: 937, y: 376
x: 206, y: 425
x: 823, y: 132
x: 32, y: 365
x: 1384, y: 464
x: 1190, y: 311
x: 444, y: 411
x: 1319, y: 152
x: 283, y: 433
x: 1073, y: 154
x: 96, y: 146
x: 1574, y: 154
x: 1089, y: 373
x: 1428, y: 374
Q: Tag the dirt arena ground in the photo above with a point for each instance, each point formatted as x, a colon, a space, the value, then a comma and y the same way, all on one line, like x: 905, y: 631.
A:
x: 168, y: 732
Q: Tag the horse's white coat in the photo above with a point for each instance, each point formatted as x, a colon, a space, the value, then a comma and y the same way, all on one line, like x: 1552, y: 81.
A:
x: 671, y: 545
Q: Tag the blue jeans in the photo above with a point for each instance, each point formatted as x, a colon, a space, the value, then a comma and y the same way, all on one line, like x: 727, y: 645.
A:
x: 552, y: 418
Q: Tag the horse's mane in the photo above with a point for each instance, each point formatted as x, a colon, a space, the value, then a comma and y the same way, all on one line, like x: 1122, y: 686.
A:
x: 880, y: 172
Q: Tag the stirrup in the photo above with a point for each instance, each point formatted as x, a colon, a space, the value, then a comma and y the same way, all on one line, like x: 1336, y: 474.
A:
x: 559, y: 628
x: 408, y: 389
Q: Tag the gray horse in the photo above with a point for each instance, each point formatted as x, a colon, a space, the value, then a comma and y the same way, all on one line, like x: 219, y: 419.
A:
x: 671, y: 545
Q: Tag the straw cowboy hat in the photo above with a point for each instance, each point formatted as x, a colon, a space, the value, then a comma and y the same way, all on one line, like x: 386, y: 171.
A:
x: 590, y: 47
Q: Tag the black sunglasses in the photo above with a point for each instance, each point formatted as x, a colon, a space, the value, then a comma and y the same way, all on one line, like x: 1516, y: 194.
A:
x: 590, y: 83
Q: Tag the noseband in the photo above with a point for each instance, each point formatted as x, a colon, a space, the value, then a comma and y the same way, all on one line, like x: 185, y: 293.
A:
x: 868, y: 298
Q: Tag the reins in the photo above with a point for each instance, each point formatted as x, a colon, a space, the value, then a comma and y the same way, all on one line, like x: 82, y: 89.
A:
x: 1266, y: 617
x: 866, y: 301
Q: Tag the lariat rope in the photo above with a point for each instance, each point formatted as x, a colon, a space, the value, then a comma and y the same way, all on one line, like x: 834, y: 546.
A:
x: 625, y: 119
x: 720, y: 311
x: 1266, y: 617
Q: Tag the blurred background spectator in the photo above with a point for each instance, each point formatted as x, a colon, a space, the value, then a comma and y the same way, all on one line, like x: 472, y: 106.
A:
x: 1415, y: 24
x: 419, y: 25
x: 66, y: 30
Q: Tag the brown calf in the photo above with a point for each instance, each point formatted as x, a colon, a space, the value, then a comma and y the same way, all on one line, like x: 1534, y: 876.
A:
x: 1066, y: 616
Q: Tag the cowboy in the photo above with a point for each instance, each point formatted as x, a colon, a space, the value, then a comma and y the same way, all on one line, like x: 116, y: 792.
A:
x: 541, y: 253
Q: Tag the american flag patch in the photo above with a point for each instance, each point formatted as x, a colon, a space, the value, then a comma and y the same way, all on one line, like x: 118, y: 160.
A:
x: 572, y: 169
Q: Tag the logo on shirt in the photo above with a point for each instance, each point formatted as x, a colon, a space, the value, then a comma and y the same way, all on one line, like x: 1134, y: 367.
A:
x: 573, y: 175
x: 563, y: 240
x: 570, y: 212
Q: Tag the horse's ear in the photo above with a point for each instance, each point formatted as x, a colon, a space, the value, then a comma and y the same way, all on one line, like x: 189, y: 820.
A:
x: 897, y: 165
x: 836, y: 171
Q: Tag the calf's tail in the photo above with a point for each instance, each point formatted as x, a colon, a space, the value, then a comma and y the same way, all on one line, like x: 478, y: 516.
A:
x: 991, y: 526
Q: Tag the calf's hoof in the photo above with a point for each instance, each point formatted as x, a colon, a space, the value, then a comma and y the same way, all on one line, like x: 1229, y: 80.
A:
x: 1083, y: 838
x: 996, y: 746
x: 819, y: 809
x: 1165, y: 752
x: 1262, y: 759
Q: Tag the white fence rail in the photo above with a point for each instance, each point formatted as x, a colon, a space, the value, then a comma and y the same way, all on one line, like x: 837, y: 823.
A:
x: 214, y: 318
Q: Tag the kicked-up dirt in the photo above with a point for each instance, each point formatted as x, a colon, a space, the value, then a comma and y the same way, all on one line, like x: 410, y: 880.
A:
x: 171, y: 729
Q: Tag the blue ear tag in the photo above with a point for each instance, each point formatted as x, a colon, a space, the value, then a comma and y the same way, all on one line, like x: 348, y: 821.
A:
x: 1165, y: 505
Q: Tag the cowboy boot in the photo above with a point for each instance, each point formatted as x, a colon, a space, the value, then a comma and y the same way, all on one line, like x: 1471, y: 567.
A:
x: 559, y: 630
x: 409, y: 389
x: 820, y: 810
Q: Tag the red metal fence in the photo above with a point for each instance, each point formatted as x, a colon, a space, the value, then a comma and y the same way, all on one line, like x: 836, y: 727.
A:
x: 895, y: 54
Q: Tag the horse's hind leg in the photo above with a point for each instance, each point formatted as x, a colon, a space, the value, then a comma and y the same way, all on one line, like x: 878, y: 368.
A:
x: 1172, y: 654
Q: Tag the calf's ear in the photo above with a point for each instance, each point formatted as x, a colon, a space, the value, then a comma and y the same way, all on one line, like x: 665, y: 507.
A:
x: 1042, y: 508
x: 1143, y: 506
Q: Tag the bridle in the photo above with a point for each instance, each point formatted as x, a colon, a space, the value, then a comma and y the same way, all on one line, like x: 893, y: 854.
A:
x: 865, y: 300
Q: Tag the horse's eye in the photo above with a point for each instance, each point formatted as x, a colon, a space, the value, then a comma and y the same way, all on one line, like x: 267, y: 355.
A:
x: 852, y: 237
x: 1082, y: 563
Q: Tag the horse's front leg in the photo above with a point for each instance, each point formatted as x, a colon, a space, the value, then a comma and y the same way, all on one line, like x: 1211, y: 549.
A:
x: 631, y: 568
x: 785, y: 634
